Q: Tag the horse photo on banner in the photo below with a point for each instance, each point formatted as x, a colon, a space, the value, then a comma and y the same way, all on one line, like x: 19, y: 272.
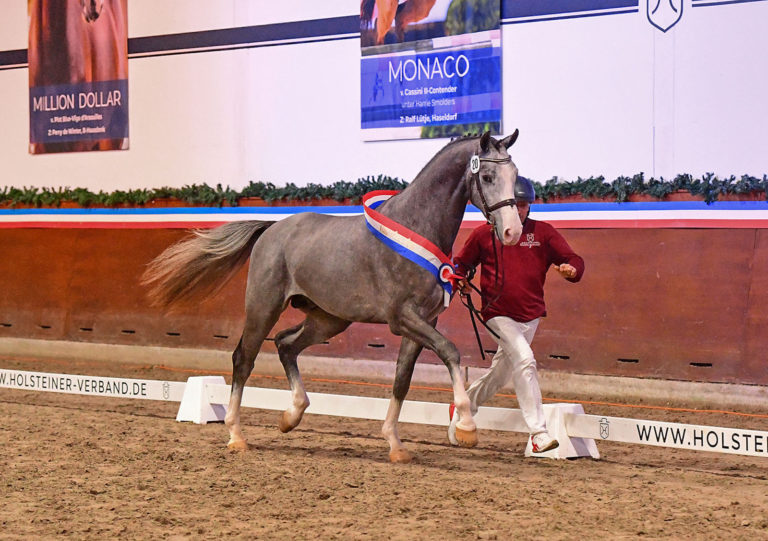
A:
x: 78, y: 75
x: 429, y: 68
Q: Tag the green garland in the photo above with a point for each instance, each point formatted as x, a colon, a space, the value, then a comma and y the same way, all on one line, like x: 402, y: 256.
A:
x: 709, y: 188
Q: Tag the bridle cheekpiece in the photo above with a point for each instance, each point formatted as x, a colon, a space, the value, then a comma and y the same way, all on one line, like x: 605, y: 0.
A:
x: 474, y: 168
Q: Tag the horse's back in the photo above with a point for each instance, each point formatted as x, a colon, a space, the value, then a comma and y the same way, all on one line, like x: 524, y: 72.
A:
x: 320, y: 242
x: 331, y: 260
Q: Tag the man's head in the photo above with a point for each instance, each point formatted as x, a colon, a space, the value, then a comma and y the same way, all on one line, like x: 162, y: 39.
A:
x: 525, y: 194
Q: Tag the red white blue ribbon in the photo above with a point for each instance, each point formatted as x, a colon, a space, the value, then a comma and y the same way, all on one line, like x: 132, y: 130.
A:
x: 407, y: 243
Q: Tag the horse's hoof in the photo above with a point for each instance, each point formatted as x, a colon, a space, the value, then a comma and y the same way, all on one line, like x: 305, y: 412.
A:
x: 466, y: 438
x: 285, y: 424
x: 238, y: 445
x: 400, y: 456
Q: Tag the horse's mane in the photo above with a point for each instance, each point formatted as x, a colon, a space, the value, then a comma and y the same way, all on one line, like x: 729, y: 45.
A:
x: 455, y: 141
x: 465, y: 136
x: 441, y: 153
x: 452, y: 145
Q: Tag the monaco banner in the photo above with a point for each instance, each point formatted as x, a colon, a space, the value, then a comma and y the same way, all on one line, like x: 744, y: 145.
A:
x: 78, y: 75
x: 429, y: 68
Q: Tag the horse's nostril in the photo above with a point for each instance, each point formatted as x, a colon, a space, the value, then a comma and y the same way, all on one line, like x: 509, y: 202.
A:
x: 511, y: 236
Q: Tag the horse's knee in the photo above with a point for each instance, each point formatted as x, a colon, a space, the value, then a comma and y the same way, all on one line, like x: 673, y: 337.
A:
x: 452, y: 357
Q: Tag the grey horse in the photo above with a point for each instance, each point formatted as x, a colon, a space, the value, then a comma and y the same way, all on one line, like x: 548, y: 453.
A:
x: 337, y: 272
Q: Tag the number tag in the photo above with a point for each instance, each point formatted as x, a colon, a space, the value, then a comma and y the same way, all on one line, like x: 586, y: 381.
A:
x: 474, y: 164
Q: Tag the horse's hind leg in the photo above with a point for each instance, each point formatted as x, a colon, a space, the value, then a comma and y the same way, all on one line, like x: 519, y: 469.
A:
x: 406, y: 360
x: 255, y: 331
x: 317, y: 327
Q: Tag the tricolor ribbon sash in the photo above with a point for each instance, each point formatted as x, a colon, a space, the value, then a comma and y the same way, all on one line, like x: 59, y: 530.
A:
x: 405, y: 242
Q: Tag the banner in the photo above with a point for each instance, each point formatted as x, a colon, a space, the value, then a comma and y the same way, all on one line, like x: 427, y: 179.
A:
x: 78, y: 75
x: 429, y: 68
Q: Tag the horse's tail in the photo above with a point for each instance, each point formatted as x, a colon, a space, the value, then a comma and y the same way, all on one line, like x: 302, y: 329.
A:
x: 366, y: 11
x: 201, y: 265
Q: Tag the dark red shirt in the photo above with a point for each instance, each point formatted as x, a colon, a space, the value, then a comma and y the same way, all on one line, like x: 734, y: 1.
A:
x: 519, y: 290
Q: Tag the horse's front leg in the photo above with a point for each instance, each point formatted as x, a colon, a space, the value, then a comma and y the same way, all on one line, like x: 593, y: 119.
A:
x: 419, y: 330
x: 406, y: 360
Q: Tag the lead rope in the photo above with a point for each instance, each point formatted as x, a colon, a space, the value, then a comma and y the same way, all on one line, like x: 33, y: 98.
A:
x: 466, y: 300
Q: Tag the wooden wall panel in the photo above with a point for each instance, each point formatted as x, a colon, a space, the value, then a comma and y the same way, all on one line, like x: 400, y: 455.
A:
x: 688, y: 304
x: 755, y: 335
x: 659, y: 302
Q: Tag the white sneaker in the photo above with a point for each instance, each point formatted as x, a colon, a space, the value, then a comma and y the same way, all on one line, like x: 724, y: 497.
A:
x: 454, y: 416
x: 543, y: 442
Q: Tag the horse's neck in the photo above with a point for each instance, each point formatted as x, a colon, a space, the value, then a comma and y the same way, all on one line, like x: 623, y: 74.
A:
x: 433, y: 205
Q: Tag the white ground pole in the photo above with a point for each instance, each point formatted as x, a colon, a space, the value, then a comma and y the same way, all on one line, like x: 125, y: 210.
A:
x: 203, y: 400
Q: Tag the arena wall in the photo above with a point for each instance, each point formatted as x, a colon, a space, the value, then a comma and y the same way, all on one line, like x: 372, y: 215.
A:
x: 234, y: 91
x: 687, y: 304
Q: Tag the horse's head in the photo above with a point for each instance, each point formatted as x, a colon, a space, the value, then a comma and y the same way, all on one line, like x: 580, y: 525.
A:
x: 91, y: 9
x: 491, y: 179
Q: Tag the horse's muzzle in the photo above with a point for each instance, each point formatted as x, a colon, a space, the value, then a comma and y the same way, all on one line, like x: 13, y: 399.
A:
x: 511, y: 235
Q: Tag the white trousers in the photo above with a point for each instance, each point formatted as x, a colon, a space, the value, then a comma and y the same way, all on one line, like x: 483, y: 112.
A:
x: 513, y: 360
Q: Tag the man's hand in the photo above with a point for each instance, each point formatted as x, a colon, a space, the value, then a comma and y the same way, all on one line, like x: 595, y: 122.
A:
x: 462, y: 286
x: 566, y: 270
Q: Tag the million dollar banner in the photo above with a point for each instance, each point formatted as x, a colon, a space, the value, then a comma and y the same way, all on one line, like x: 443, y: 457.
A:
x: 78, y: 75
x: 429, y: 68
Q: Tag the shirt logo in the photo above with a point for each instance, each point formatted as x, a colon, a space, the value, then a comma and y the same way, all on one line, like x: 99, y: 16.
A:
x: 530, y: 241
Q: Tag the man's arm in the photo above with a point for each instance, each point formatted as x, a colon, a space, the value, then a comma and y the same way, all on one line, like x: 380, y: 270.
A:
x: 469, y: 256
x: 569, y: 264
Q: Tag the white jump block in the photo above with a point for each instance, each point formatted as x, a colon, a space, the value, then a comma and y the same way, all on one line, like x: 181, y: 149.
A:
x: 570, y: 447
x: 195, y: 405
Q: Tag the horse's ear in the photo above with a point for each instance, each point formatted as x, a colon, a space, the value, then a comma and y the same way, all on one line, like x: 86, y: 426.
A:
x: 509, y: 141
x: 485, y: 141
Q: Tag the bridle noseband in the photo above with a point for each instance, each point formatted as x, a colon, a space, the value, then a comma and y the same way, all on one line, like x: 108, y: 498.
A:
x: 474, y: 168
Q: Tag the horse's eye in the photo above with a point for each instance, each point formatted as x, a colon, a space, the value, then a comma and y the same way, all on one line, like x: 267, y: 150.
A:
x: 487, y: 178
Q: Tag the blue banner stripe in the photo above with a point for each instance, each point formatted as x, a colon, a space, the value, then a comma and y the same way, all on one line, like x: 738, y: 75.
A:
x: 660, y: 205
x: 246, y: 35
x: 513, y: 9
x: 706, y: 3
x: 358, y: 209
x: 571, y: 16
x: 17, y: 56
x: 342, y: 209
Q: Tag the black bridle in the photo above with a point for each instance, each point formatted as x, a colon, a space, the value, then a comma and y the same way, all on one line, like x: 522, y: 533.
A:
x: 474, y: 168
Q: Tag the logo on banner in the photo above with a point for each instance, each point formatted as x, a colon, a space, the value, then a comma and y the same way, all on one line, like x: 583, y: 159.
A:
x: 604, y: 427
x: 664, y: 14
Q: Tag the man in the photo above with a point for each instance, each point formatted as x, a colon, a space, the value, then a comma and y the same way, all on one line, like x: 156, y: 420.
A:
x: 512, y: 284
